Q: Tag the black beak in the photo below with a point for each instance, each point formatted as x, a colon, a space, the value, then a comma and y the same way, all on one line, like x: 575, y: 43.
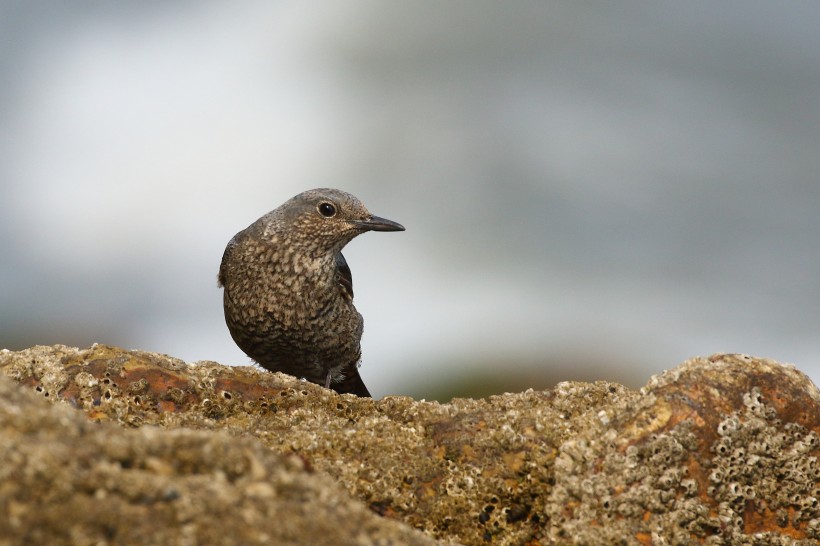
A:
x: 374, y: 223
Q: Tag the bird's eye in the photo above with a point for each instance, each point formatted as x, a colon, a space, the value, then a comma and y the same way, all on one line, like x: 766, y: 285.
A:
x: 327, y: 210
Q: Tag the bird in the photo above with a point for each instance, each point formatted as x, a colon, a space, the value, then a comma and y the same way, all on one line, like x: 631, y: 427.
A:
x: 288, y: 290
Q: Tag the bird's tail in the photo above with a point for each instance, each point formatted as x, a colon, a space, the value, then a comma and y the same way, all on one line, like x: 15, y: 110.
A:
x: 352, y: 384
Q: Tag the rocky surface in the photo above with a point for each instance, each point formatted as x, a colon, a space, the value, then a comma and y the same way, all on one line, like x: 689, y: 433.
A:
x: 721, y: 450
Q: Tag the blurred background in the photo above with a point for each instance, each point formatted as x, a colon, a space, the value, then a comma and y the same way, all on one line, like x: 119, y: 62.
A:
x: 591, y: 190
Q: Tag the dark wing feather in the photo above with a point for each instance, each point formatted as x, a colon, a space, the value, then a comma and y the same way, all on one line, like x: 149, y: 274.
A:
x: 343, y: 275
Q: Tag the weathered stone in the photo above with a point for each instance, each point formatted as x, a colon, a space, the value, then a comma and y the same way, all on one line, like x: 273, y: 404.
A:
x: 67, y: 480
x: 717, y: 451
x: 720, y: 450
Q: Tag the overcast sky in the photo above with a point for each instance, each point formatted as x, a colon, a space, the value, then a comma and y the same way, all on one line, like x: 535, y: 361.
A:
x: 591, y: 190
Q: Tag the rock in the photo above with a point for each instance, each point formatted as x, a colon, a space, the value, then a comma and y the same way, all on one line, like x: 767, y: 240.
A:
x: 67, y: 480
x: 717, y: 451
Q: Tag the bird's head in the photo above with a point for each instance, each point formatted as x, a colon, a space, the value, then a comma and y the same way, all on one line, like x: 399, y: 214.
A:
x: 327, y: 219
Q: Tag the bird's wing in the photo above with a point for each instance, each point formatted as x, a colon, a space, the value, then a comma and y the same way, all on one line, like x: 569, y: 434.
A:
x: 343, y: 275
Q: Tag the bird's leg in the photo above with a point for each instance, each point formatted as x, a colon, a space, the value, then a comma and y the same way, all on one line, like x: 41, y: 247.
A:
x: 327, y: 380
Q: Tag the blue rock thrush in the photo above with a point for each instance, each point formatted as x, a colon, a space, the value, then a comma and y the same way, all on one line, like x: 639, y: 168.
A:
x: 288, y: 295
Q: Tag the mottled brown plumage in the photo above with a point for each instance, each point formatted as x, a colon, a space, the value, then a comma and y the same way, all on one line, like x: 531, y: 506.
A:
x: 288, y: 296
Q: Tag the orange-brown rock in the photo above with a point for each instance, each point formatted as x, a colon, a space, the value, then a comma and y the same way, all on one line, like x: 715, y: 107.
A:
x: 717, y: 451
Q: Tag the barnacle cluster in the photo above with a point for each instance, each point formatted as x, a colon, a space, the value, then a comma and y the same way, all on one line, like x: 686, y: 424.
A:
x: 677, y: 487
x: 763, y: 466
x: 646, y: 489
